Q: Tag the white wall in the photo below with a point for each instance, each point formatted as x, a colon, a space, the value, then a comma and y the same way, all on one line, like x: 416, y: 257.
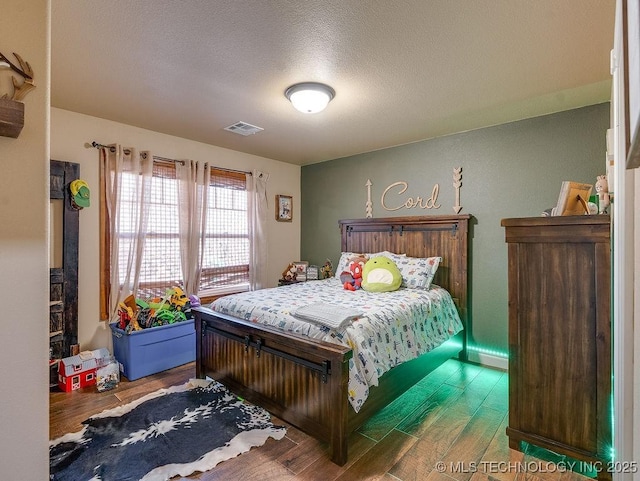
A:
x: 24, y: 283
x: 71, y: 132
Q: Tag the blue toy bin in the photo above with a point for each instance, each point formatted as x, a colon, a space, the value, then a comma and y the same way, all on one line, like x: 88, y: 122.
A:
x: 155, y: 349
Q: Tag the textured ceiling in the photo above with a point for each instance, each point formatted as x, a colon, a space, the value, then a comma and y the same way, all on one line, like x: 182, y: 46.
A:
x: 403, y: 71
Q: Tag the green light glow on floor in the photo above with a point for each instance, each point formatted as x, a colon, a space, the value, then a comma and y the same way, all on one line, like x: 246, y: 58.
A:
x: 588, y: 469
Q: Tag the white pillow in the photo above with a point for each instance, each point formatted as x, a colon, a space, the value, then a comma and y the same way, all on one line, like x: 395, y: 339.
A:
x: 417, y: 272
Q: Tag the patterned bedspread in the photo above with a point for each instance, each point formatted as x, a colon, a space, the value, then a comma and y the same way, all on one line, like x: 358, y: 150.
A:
x: 394, y: 327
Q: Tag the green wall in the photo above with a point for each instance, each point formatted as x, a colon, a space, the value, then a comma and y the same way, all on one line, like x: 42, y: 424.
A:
x: 510, y: 170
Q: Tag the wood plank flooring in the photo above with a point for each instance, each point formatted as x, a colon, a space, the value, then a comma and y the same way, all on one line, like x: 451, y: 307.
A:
x: 450, y: 426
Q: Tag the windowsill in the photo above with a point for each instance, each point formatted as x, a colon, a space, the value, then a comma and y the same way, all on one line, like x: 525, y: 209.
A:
x: 210, y: 295
x: 222, y: 291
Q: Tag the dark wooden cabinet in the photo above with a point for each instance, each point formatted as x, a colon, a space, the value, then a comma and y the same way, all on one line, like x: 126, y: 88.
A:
x: 559, y: 271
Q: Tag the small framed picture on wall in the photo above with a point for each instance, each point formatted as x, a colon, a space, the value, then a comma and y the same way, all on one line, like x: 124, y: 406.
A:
x: 284, y: 208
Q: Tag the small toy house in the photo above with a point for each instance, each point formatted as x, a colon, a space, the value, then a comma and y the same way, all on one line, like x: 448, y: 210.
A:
x: 79, y: 371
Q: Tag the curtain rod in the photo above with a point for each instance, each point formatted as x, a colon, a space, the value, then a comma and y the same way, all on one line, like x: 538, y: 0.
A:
x: 98, y: 145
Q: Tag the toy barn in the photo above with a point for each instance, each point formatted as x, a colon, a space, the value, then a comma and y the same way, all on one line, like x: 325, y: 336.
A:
x: 79, y: 371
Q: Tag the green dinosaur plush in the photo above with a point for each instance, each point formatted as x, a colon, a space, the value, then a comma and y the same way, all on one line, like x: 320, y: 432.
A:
x: 380, y: 274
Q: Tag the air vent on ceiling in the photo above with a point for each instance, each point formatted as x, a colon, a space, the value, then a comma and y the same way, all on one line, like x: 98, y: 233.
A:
x: 243, y: 128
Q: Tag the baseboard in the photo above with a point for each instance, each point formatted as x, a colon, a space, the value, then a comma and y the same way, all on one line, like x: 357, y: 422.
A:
x: 488, y: 360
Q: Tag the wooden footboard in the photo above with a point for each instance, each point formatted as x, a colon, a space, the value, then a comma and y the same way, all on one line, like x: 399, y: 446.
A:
x: 300, y: 380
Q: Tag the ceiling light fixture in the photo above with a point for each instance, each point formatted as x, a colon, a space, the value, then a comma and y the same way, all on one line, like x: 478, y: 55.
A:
x: 310, y: 97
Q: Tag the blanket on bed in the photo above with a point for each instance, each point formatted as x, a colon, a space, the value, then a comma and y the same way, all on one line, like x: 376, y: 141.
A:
x: 325, y: 314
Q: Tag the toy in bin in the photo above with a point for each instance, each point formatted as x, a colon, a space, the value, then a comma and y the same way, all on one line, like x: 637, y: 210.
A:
x: 138, y: 314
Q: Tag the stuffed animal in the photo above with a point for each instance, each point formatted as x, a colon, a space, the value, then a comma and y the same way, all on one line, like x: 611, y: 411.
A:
x: 352, y: 278
x: 327, y: 269
x: 381, y: 274
x: 602, y: 189
x: 289, y: 274
x: 194, y: 300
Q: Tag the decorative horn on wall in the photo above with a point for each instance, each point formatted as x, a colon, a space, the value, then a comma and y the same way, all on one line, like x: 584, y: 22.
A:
x: 12, y: 108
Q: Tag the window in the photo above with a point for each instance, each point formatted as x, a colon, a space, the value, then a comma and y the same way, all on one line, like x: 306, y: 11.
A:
x: 226, y: 253
x: 225, y: 266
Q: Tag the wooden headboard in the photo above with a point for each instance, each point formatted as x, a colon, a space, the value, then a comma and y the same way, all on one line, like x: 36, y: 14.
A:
x: 445, y: 236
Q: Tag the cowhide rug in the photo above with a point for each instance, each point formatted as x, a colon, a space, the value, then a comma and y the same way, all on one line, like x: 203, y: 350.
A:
x: 174, y: 431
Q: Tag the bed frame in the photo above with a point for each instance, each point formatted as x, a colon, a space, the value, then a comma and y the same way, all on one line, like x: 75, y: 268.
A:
x: 304, y: 381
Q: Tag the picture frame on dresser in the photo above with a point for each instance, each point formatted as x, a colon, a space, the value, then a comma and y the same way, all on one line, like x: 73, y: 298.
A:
x: 573, y: 199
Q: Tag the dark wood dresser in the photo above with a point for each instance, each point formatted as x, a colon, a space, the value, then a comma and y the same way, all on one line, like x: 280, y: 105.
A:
x: 559, y: 335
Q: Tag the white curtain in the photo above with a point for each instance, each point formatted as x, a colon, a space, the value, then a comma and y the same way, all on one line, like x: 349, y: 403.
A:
x: 126, y: 177
x: 193, y: 182
x: 257, y: 209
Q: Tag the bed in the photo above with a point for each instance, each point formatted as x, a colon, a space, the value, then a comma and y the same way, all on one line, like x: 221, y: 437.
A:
x: 308, y: 381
